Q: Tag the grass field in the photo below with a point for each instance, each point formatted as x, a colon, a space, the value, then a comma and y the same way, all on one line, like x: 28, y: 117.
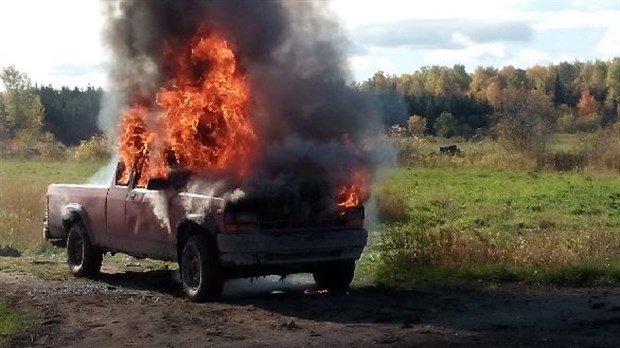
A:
x: 587, y: 152
x: 497, y: 225
x: 11, y: 323
x: 443, y: 223
x: 22, y: 192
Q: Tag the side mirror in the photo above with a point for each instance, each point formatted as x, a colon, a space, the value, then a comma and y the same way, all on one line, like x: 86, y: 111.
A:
x: 157, y: 184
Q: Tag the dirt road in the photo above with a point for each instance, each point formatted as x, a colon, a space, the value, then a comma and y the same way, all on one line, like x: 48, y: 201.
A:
x: 133, y: 307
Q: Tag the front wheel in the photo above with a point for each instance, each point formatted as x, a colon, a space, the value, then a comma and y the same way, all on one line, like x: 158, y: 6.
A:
x: 83, y: 258
x: 336, y: 275
x: 200, y: 269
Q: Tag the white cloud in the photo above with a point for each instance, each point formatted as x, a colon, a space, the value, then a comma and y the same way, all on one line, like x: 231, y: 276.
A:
x: 563, y: 30
x: 355, y: 13
x: 609, y: 44
x: 577, y: 19
x: 58, y: 41
x: 39, y: 37
x: 371, y: 63
x: 471, y: 56
x: 528, y: 57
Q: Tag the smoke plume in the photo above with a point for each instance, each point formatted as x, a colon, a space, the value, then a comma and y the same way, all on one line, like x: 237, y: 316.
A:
x: 311, y: 126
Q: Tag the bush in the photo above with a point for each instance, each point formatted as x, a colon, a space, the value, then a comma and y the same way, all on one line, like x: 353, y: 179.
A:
x: 417, y: 125
x: 566, y: 123
x: 588, y: 123
x: 94, y: 149
x: 525, y: 121
x: 446, y: 125
x: 605, y: 150
x: 28, y: 144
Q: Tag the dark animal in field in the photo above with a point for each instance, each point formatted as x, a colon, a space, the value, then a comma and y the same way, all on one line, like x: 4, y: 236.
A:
x: 449, y: 150
x: 9, y: 251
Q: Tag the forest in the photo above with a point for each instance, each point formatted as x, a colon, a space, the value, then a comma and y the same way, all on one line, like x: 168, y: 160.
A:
x: 568, y: 97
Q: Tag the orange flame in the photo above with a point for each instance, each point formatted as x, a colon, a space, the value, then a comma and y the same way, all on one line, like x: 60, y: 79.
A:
x: 349, y: 196
x: 199, y: 120
x: 354, y: 194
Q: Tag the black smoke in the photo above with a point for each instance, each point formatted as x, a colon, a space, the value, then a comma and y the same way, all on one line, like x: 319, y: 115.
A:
x: 313, y: 128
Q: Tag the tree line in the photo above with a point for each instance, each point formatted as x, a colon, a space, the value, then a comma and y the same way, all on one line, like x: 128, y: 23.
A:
x: 434, y: 100
x: 569, y: 96
x: 31, y: 114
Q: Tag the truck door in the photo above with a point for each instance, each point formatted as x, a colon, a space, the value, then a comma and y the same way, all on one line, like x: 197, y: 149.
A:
x: 149, y: 223
x: 116, y: 228
x: 137, y: 219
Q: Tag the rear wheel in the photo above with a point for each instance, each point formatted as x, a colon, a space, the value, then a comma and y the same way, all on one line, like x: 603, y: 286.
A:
x: 200, y: 269
x: 83, y: 258
x: 336, y: 275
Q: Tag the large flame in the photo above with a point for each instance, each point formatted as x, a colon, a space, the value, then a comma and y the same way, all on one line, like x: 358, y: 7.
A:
x: 199, y: 118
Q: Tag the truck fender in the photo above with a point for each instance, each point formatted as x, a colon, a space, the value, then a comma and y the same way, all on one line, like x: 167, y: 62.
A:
x: 195, y: 223
x: 72, y: 213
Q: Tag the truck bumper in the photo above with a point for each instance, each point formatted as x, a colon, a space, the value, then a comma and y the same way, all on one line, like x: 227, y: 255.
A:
x: 298, y: 249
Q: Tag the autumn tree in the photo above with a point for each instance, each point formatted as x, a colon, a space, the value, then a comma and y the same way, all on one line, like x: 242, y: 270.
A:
x: 22, y: 109
x: 481, y: 79
x: 417, y: 125
x: 613, y: 83
x: 493, y: 93
x: 587, y: 104
x: 593, y: 75
x: 538, y: 78
x: 525, y: 119
x: 515, y: 78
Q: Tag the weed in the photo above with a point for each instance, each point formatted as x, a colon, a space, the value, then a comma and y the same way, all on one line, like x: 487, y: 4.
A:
x: 11, y: 322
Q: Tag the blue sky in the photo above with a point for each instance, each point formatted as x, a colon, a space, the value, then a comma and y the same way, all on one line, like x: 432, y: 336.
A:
x: 59, y: 42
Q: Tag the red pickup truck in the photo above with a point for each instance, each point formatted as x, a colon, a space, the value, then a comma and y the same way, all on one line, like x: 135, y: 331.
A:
x: 211, y: 238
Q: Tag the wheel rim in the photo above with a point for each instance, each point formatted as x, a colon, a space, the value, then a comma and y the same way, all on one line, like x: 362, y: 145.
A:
x: 192, y: 268
x: 76, y: 251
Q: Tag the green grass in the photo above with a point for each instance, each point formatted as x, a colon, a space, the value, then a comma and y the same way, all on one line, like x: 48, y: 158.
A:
x: 42, y: 270
x: 11, y: 323
x: 466, y: 224
x: 570, y: 143
x: 23, y: 184
x: 504, y: 201
x: 471, y: 276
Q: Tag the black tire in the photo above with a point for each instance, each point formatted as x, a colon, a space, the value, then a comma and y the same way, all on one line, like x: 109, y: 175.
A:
x: 201, y: 273
x: 336, y: 275
x: 83, y: 258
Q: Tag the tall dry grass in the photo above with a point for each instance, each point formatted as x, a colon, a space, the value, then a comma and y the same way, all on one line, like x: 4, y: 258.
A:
x: 543, y: 248
x: 23, y: 184
x: 21, y: 213
x: 598, y: 153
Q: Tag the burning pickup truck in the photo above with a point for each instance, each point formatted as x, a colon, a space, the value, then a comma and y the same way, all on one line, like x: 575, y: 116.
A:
x: 211, y: 238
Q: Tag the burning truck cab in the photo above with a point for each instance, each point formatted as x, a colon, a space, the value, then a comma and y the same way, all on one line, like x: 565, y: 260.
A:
x: 212, y: 238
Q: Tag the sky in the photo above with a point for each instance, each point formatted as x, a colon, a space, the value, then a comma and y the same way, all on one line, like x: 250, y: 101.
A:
x: 58, y: 42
